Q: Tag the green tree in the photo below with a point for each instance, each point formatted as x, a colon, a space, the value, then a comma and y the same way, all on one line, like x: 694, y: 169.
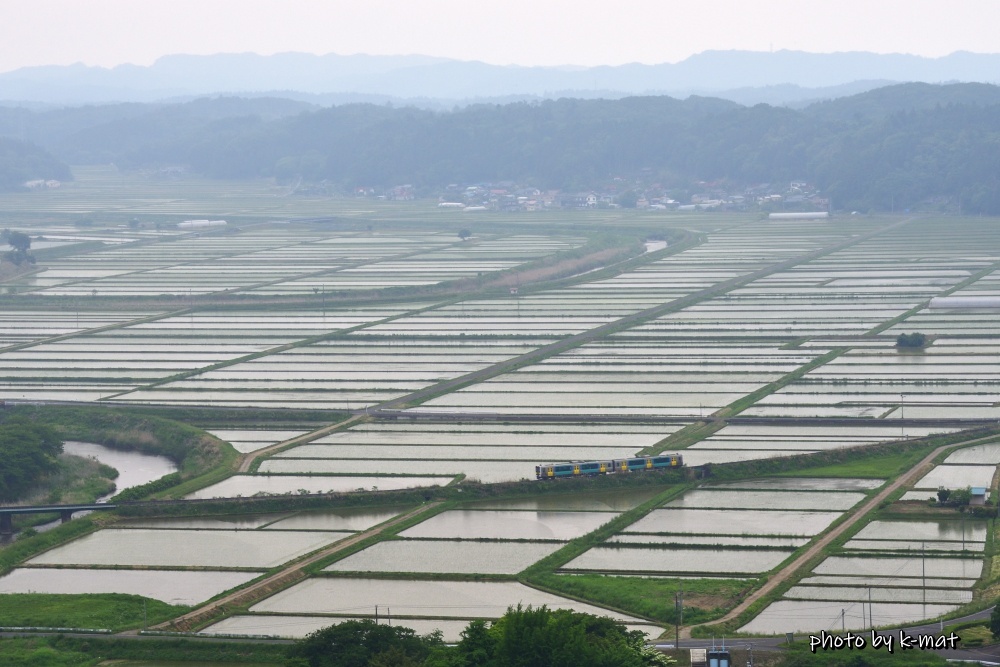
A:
x: 356, y: 643
x: 995, y: 622
x: 19, y: 241
x: 627, y: 199
x: 28, y: 452
x: 960, y: 497
x: 464, y: 234
x: 477, y: 644
x: 913, y: 340
x: 527, y: 637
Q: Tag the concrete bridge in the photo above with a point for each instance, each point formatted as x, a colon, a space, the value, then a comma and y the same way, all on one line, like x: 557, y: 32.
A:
x: 65, y: 513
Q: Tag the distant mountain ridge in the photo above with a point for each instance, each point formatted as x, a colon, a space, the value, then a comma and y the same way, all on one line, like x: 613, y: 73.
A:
x: 765, y: 77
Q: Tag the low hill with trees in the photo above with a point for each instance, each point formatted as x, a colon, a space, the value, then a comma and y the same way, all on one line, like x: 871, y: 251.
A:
x: 886, y: 149
x: 21, y: 161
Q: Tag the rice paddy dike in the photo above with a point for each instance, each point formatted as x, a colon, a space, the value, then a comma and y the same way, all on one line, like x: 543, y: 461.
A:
x: 355, y: 398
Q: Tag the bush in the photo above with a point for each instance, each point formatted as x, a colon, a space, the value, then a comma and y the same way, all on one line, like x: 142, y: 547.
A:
x: 913, y: 340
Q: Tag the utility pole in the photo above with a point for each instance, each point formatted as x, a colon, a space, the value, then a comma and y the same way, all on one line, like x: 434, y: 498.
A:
x: 843, y: 625
x: 871, y: 612
x: 902, y: 416
x: 923, y: 571
x: 679, y: 608
x: 677, y: 623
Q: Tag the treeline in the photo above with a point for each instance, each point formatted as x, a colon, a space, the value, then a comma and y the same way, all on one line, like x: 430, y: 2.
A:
x: 523, y: 637
x: 28, y: 452
x: 896, y: 147
x: 21, y: 161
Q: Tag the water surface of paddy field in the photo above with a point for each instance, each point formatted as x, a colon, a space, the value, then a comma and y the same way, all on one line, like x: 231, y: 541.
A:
x: 354, y: 519
x: 222, y: 522
x: 801, y: 484
x: 944, y: 530
x: 431, y: 599
x: 170, y: 586
x: 781, y: 500
x: 811, y: 615
x: 509, y: 525
x: 982, y: 454
x: 248, y: 485
x: 296, y: 627
x: 957, y: 477
x: 689, y: 363
x: 439, y: 556
x: 914, y: 545
x: 618, y: 500
x: 719, y: 540
x: 246, y: 441
x: 914, y: 567
x: 186, y: 548
x: 484, y: 471
x: 671, y: 561
x: 733, y: 522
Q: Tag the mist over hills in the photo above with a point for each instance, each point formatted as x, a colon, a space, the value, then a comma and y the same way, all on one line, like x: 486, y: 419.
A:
x: 782, y: 77
x: 894, y: 147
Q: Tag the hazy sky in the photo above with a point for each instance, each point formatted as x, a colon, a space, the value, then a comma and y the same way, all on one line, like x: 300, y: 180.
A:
x: 526, y: 32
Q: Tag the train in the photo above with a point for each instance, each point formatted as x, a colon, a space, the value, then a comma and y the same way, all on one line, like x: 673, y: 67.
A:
x: 587, y: 468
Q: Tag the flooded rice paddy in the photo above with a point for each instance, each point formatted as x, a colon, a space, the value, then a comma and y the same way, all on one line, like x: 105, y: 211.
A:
x: 250, y: 485
x: 186, y: 548
x: 170, y: 586
x: 733, y: 522
x: 662, y: 561
x: 810, y: 615
x: 432, y: 599
x: 441, y: 556
x: 509, y: 525
x: 673, y: 369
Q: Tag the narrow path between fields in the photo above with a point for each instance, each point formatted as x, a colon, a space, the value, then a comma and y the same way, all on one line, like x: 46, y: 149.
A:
x: 288, y: 575
x: 853, y: 517
x: 248, y: 459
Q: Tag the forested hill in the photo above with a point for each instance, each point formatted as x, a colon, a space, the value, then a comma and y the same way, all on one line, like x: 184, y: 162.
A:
x: 21, y: 161
x: 895, y: 146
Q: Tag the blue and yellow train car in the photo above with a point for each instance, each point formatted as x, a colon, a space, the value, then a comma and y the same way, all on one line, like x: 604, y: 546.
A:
x: 581, y: 468
x: 573, y: 469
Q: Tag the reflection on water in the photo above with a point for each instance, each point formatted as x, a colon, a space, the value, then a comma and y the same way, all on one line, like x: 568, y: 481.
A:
x: 134, y: 468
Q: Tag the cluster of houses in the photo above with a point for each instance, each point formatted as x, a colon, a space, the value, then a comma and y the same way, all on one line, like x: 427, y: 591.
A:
x: 41, y: 184
x: 797, y: 195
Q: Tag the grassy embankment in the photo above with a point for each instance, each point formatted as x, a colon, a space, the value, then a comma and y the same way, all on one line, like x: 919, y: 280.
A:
x: 107, y: 611
x: 90, y: 652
